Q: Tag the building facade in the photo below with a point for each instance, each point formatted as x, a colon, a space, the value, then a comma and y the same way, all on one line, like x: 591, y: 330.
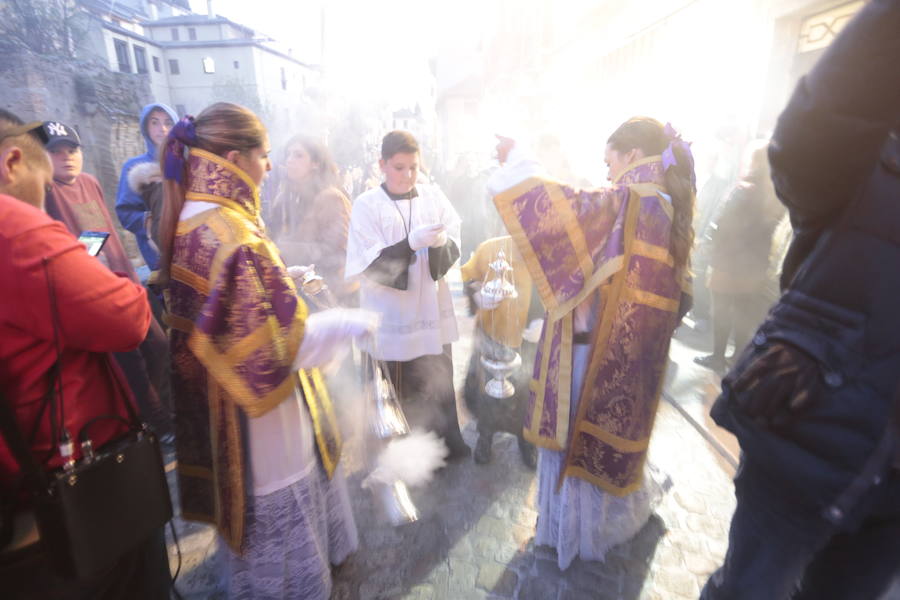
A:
x: 191, y: 61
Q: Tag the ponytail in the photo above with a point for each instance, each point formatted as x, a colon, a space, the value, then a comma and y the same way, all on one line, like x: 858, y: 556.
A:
x: 680, y: 186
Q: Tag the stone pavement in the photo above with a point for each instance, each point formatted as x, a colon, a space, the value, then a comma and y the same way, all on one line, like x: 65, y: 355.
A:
x: 474, y: 539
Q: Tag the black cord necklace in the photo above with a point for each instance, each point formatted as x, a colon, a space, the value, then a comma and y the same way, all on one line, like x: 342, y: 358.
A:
x: 413, y: 193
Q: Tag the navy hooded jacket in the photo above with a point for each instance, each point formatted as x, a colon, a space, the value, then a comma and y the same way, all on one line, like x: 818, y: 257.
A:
x: 835, y: 158
x: 130, y: 207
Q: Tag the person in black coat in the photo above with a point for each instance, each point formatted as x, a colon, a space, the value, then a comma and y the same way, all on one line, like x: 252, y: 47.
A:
x: 739, y: 258
x: 814, y: 399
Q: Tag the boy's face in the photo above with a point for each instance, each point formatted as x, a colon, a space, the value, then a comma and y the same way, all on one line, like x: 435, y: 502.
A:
x: 67, y: 161
x: 400, y: 171
x: 158, y: 126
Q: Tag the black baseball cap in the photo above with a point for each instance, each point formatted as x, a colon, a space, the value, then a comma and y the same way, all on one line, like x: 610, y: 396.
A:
x: 56, y: 133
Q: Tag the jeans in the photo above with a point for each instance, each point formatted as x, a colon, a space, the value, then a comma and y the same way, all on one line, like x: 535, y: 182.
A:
x: 777, y: 551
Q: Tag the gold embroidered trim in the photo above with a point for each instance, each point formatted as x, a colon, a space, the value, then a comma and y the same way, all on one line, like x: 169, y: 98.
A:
x: 564, y: 381
x: 650, y: 299
x: 632, y: 166
x: 605, y: 484
x: 191, y: 279
x: 504, y: 203
x: 179, y: 323
x: 647, y: 250
x: 617, y: 442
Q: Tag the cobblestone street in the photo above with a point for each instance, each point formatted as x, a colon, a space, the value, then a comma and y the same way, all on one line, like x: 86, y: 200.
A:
x: 474, y: 538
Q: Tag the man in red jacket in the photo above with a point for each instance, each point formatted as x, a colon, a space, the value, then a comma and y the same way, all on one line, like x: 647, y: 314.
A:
x: 98, y: 313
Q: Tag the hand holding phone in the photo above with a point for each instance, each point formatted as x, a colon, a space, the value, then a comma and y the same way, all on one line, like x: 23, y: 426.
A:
x: 93, y: 241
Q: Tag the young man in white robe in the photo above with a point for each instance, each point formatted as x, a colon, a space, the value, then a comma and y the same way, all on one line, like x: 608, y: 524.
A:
x: 403, y: 239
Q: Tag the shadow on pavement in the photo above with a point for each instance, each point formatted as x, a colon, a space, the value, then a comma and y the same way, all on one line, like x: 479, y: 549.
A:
x: 620, y: 576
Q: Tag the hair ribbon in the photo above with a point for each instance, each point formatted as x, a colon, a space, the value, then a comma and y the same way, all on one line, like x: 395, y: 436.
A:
x: 182, y: 136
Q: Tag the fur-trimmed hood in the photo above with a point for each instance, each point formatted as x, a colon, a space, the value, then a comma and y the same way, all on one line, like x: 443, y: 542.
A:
x: 142, y: 175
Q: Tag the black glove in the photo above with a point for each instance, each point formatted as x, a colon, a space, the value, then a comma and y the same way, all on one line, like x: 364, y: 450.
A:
x: 777, y: 386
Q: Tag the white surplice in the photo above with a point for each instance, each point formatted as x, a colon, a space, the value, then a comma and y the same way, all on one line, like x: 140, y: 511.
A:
x: 419, y: 320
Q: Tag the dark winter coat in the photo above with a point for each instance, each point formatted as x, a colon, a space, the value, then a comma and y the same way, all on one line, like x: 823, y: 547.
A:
x: 742, y: 239
x: 835, y: 159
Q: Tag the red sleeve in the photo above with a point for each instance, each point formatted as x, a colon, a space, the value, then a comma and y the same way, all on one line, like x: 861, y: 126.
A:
x: 98, y: 311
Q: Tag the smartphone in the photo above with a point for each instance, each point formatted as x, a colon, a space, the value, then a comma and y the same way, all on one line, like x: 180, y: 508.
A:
x: 93, y: 241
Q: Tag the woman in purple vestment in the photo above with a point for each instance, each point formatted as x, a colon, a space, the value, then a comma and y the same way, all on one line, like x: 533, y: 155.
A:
x: 611, y: 268
x: 257, y: 436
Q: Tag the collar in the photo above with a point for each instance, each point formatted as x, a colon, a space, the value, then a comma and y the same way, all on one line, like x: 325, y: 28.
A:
x: 648, y: 169
x: 413, y: 193
x: 211, y: 178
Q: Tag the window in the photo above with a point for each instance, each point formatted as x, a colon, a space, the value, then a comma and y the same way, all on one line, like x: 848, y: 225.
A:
x: 173, y: 66
x: 192, y: 33
x: 283, y: 79
x: 140, y: 59
x: 122, y: 55
x: 175, y: 34
x: 237, y: 65
x: 156, y: 64
x: 209, y: 65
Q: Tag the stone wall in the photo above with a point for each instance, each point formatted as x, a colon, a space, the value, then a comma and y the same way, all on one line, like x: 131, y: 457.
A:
x: 103, y: 106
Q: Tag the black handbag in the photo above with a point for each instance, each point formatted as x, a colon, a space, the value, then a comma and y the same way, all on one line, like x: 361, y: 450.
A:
x: 92, y: 511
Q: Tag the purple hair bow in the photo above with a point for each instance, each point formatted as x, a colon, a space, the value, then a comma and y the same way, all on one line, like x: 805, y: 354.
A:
x: 668, y: 155
x: 181, y: 136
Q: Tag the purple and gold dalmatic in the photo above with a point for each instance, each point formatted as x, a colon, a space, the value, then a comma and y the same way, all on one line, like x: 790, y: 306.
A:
x: 612, y: 246
x: 237, y: 324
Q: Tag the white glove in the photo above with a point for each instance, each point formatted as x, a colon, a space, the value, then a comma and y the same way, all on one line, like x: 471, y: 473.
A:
x: 328, y: 331
x: 425, y: 236
x: 533, y: 332
x: 486, y: 302
x: 296, y: 272
x: 440, y: 239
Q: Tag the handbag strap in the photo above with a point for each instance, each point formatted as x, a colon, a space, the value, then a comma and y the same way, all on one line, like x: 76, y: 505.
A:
x: 116, y: 376
x: 56, y: 428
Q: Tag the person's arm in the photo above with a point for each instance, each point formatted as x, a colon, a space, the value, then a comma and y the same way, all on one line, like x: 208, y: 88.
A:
x: 829, y: 136
x: 98, y: 310
x: 130, y: 207
x: 566, y: 236
x: 334, y: 209
x: 391, y: 267
x: 132, y: 212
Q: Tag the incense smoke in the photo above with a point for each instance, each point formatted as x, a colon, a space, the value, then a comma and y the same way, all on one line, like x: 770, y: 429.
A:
x: 412, y: 459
